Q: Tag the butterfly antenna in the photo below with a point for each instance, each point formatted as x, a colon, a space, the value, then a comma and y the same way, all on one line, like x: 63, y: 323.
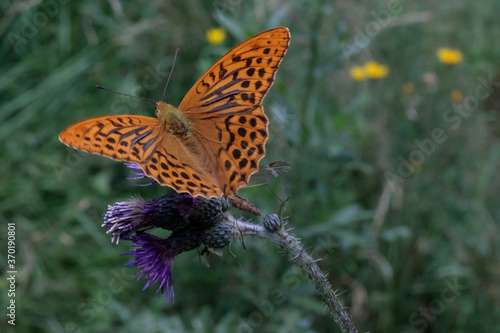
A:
x: 170, y: 74
x: 119, y: 93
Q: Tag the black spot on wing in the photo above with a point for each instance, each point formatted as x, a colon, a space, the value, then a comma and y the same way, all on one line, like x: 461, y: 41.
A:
x: 222, y: 71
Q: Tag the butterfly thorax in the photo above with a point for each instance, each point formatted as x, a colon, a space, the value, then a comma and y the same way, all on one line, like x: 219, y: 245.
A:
x: 175, y: 122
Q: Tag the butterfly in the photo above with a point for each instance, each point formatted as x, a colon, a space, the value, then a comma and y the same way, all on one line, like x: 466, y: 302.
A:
x: 213, y: 142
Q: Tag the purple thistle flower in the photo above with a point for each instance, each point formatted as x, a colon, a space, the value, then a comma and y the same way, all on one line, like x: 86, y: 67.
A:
x: 124, y: 218
x: 140, y: 174
x: 194, y: 221
x: 172, y: 212
x: 154, y: 258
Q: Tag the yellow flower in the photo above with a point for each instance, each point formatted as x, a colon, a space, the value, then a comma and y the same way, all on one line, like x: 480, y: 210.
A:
x: 374, y: 70
x: 408, y: 88
x: 358, y: 73
x: 415, y: 167
x: 370, y: 70
x: 456, y: 95
x: 216, y: 36
x: 449, y: 56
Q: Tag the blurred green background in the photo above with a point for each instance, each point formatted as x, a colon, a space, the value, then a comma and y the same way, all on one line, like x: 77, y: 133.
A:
x: 394, y: 181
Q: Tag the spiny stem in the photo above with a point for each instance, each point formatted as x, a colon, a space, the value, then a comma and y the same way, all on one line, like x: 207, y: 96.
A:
x: 274, y: 232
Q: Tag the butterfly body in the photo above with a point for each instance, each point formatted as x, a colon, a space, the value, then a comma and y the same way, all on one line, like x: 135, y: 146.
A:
x: 175, y: 122
x: 213, y: 142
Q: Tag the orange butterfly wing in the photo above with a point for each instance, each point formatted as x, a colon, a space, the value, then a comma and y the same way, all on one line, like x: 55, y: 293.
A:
x: 224, y: 107
x: 174, y: 165
x: 122, y: 138
x: 144, y: 141
x: 240, y: 78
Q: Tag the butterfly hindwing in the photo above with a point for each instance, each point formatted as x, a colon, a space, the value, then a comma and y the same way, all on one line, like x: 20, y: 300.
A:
x: 239, y: 143
x: 172, y: 165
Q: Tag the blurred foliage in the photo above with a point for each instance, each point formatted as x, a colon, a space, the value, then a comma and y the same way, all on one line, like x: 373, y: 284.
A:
x: 404, y: 220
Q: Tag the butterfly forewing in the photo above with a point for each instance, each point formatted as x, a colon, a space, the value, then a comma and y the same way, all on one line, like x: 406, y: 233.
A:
x: 239, y: 79
x: 122, y: 138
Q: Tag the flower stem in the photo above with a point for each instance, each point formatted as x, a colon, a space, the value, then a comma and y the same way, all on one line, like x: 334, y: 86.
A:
x: 293, y: 248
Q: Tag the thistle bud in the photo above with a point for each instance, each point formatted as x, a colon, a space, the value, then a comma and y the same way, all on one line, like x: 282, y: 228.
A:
x: 272, y: 222
x: 218, y: 235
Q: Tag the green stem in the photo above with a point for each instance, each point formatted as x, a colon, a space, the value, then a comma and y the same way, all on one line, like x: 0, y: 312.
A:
x: 293, y: 248
x: 309, y: 86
